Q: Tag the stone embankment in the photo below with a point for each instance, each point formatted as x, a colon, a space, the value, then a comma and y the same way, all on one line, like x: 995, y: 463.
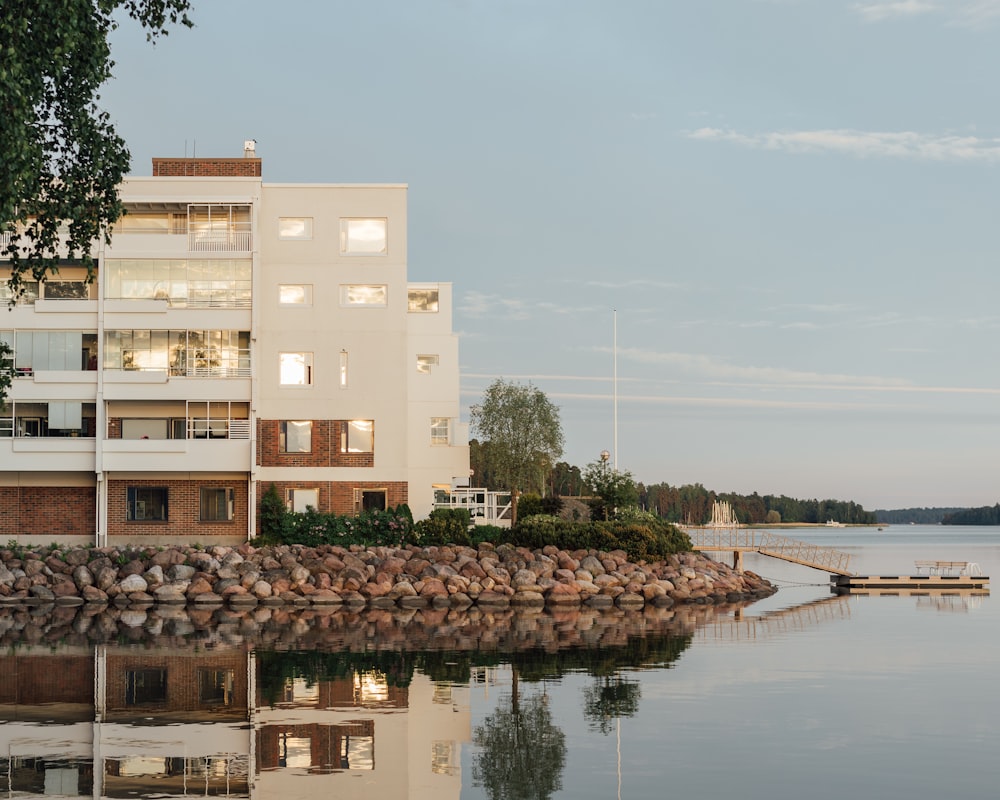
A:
x: 376, y: 577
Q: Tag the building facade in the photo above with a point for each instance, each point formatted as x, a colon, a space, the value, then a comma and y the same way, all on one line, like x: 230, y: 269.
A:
x: 238, y: 334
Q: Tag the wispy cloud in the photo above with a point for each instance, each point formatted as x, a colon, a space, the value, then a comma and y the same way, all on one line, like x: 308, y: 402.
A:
x: 485, y: 305
x: 971, y: 13
x: 863, y: 144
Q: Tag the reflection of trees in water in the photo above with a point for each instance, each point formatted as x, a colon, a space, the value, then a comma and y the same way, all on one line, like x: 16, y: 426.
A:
x: 521, y: 752
x: 610, y: 698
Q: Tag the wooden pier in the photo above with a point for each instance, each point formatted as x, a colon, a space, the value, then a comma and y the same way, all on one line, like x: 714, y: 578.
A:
x: 909, y: 584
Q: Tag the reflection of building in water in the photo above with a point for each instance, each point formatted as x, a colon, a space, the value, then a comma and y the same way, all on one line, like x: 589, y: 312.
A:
x: 123, y: 723
x: 316, y: 736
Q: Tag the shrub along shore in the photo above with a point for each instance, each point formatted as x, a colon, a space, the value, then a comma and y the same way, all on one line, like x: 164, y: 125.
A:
x: 386, y: 576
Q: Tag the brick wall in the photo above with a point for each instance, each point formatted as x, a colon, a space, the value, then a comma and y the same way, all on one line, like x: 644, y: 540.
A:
x: 326, y: 440
x: 47, y: 510
x: 206, y: 167
x: 337, y: 497
x: 183, y: 510
x: 182, y: 682
x: 42, y: 680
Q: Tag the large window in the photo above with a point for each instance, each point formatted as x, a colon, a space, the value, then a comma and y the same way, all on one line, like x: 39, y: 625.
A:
x: 422, y: 300
x: 363, y: 236
x: 358, y: 436
x: 145, y: 686
x: 192, y: 354
x: 440, y: 427
x: 296, y: 369
x: 146, y: 504
x: 66, y: 351
x: 217, y: 504
x: 199, y: 283
x: 364, y: 294
x: 295, y: 436
x: 300, y: 500
x: 219, y: 227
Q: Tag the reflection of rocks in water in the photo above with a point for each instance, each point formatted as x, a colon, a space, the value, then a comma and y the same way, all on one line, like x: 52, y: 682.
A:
x: 503, y: 630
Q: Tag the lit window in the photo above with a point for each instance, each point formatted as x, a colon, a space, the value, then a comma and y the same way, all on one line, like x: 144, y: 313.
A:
x: 439, y: 430
x: 295, y: 227
x: 299, y: 500
x: 358, y: 436
x: 359, y: 294
x: 364, y: 237
x: 343, y: 369
x: 295, y: 294
x: 422, y: 300
x: 146, y: 504
x: 295, y: 436
x: 296, y: 369
x: 216, y: 504
x: 425, y: 361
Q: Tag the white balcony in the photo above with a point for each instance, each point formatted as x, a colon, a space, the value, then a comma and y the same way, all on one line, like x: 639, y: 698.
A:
x: 176, y: 455
x: 48, y: 454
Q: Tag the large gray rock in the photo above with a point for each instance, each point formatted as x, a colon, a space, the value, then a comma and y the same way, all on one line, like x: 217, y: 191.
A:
x: 133, y: 583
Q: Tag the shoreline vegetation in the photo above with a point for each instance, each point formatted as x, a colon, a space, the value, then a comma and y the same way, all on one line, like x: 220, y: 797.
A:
x: 486, y: 576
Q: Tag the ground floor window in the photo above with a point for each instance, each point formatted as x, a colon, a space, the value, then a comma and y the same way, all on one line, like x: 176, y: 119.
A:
x: 369, y: 500
x: 215, y: 687
x: 301, y: 499
x: 145, y: 686
x: 217, y: 504
x: 147, y: 503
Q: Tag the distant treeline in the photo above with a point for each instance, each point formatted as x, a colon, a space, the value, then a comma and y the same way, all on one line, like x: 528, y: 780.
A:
x: 692, y: 504
x: 918, y: 516
x: 984, y: 515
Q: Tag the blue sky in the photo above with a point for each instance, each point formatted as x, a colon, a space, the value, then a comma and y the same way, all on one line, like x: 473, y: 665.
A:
x: 791, y: 205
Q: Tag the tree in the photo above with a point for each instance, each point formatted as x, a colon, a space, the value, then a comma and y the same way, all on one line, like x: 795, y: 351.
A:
x: 520, y: 431
x: 62, y: 158
x: 616, y: 490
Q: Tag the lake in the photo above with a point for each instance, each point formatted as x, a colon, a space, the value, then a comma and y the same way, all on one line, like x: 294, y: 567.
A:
x: 803, y: 694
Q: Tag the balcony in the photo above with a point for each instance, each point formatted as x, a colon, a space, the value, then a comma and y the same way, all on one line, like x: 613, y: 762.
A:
x: 183, y: 455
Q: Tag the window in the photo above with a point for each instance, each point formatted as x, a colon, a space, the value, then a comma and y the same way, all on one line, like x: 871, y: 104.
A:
x: 439, y: 430
x: 364, y: 237
x: 369, y: 500
x: 295, y: 436
x: 198, y: 283
x: 425, y: 361
x: 215, y: 687
x: 356, y: 294
x: 358, y: 436
x: 216, y: 504
x: 295, y: 227
x: 296, y: 369
x: 146, y: 429
x: 295, y: 294
x: 301, y: 499
x: 343, y: 369
x: 422, y: 300
x: 146, y: 504
x: 145, y: 686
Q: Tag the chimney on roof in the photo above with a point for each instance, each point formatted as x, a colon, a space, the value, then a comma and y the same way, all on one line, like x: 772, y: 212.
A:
x: 250, y: 148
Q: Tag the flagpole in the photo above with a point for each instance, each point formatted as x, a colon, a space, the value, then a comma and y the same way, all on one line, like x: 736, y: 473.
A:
x: 615, y: 382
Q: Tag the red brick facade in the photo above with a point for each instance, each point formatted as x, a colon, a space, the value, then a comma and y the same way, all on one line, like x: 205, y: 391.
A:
x: 337, y: 497
x: 206, y: 167
x: 183, y: 510
x: 45, y: 680
x: 47, y: 511
x: 327, y: 435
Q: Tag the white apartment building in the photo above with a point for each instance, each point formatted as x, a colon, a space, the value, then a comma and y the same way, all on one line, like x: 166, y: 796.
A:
x: 239, y: 334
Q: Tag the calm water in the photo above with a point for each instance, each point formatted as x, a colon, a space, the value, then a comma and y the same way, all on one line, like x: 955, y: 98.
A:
x: 801, y: 695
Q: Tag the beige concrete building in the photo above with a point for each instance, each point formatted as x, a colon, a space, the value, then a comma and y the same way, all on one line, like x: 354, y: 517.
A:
x: 239, y: 334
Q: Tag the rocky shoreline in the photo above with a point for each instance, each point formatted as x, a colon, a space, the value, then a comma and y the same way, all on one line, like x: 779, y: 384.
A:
x: 487, y: 576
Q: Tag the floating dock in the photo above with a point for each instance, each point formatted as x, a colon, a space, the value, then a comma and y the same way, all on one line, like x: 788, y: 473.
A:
x: 896, y: 584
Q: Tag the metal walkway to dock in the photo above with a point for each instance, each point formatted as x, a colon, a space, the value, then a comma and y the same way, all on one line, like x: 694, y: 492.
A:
x: 748, y: 540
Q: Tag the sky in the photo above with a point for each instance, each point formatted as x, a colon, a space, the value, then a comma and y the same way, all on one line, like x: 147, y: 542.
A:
x: 744, y: 243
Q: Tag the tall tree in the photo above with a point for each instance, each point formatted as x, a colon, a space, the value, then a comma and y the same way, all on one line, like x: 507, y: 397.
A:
x: 615, y: 489
x: 520, y: 429
x: 62, y: 159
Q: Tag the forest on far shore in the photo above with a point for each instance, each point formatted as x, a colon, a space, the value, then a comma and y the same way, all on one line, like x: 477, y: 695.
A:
x: 983, y: 515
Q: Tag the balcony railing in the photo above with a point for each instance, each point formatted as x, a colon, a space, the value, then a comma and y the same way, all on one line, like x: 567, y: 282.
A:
x: 220, y: 241
x: 214, y: 428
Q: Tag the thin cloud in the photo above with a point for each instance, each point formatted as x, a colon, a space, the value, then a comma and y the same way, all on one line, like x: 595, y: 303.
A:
x: 863, y: 144
x: 970, y: 13
x: 876, y: 12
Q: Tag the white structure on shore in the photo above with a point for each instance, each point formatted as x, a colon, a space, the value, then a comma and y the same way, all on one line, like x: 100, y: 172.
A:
x: 723, y: 515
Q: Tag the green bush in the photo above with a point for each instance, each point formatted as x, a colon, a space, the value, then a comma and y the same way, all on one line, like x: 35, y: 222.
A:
x: 444, y: 526
x: 650, y: 539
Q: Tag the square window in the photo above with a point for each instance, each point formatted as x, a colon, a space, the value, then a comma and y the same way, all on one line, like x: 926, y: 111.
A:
x: 422, y: 301
x: 145, y: 686
x: 357, y: 294
x: 363, y: 236
x: 300, y: 500
x: 215, y: 687
x: 425, y: 361
x: 358, y: 436
x: 369, y: 500
x: 295, y: 436
x: 295, y: 294
x: 296, y: 369
x: 439, y: 430
x: 295, y: 227
x: 146, y: 504
x: 217, y: 504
